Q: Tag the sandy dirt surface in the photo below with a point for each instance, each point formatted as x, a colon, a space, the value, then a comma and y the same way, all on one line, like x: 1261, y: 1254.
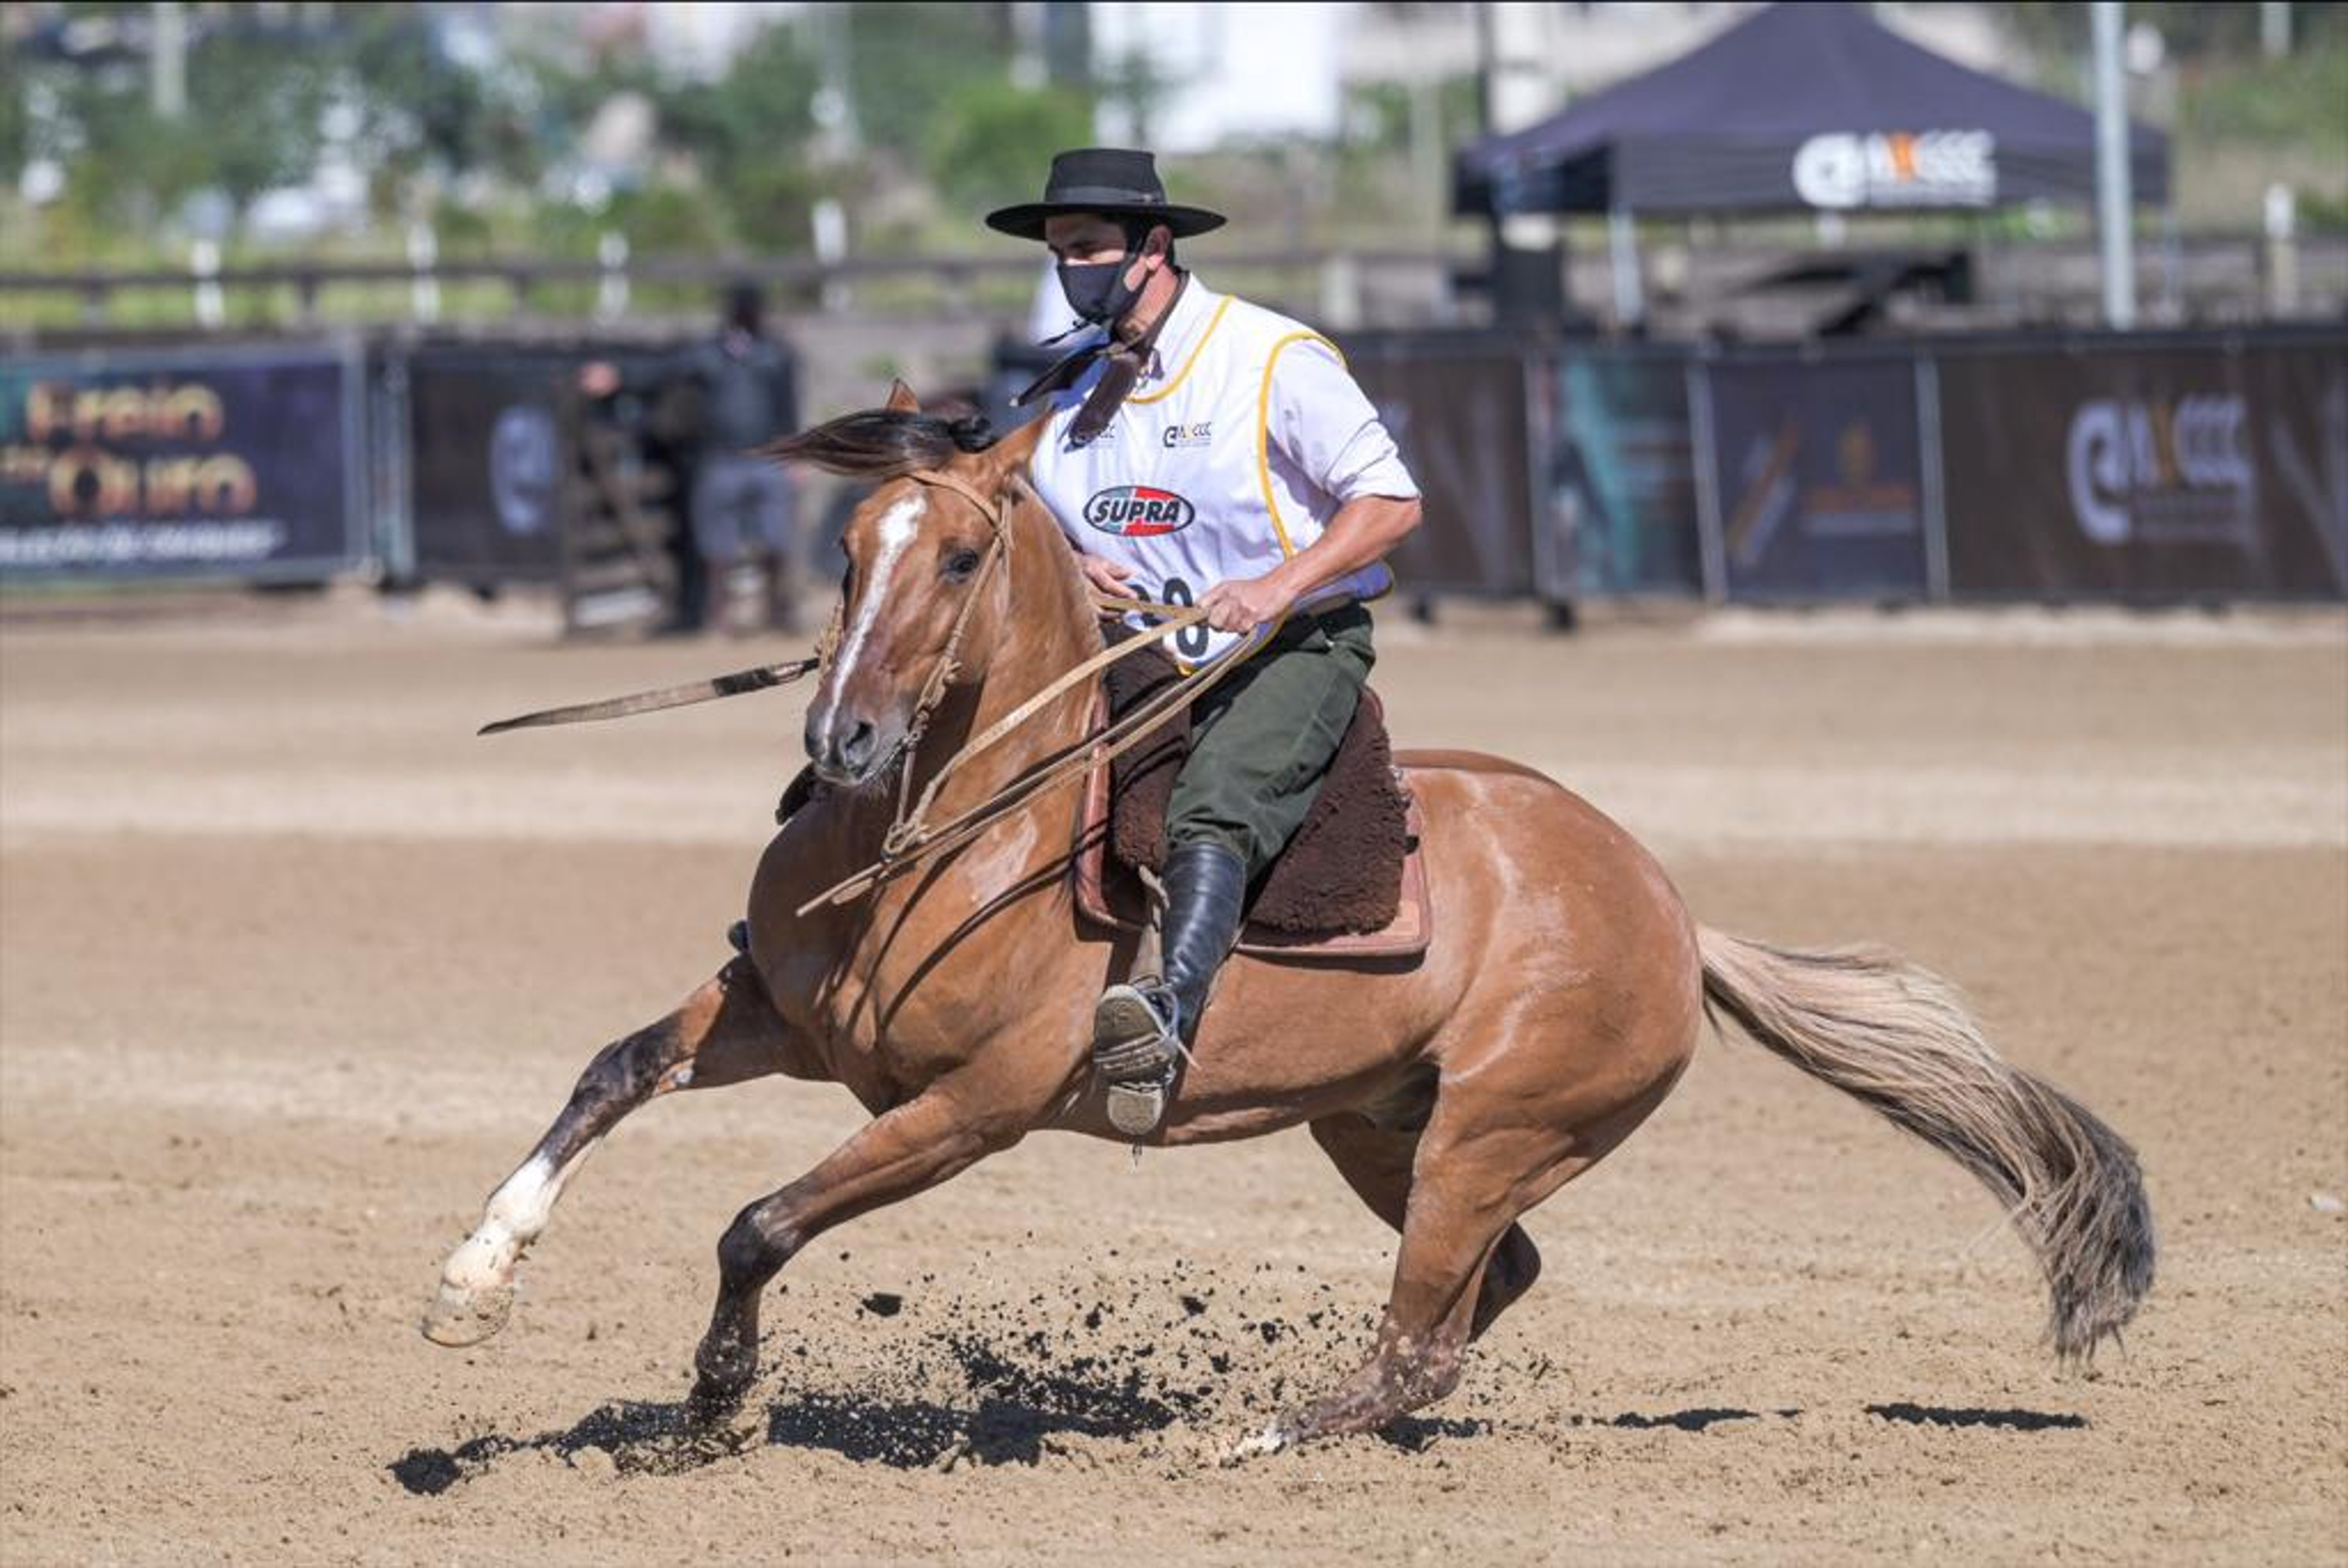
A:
x: 292, y: 970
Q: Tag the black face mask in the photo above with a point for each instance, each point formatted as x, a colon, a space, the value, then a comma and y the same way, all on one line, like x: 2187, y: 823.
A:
x: 1097, y: 291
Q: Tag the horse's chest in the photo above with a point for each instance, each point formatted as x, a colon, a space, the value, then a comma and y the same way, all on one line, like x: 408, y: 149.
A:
x: 934, y: 972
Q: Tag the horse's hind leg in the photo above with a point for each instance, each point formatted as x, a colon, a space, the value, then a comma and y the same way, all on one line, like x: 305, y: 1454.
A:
x: 1377, y: 1162
x: 1481, y: 1162
x: 724, y: 1033
x: 1469, y: 1181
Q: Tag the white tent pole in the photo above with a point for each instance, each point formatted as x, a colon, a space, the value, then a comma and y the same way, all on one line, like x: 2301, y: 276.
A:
x: 2113, y: 200
x: 1622, y: 245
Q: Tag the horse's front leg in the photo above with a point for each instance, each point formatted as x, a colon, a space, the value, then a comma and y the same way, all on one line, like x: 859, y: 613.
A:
x: 724, y: 1033
x: 938, y: 1134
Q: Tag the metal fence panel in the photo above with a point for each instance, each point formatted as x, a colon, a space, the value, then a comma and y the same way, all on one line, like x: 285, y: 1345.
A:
x: 1819, y: 478
x: 1457, y: 405
x: 1621, y: 474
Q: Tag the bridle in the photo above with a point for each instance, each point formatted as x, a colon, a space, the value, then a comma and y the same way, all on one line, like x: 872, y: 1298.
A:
x: 904, y: 825
x: 911, y: 840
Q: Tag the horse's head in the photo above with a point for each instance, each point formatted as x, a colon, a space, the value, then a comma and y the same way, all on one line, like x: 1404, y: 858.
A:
x: 929, y: 575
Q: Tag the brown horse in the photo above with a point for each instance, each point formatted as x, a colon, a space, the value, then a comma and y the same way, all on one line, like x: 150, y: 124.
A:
x: 1555, y: 1009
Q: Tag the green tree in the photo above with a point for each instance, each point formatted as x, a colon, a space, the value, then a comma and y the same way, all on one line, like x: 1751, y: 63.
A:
x: 257, y: 90
x: 424, y: 114
x: 906, y: 59
x: 2192, y: 29
x: 16, y: 115
x: 748, y: 135
x: 991, y: 141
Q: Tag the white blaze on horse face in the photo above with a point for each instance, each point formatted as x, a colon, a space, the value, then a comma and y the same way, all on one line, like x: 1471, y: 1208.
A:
x: 898, y: 526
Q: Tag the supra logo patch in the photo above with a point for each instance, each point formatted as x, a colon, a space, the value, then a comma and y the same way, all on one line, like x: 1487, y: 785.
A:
x: 1138, y: 511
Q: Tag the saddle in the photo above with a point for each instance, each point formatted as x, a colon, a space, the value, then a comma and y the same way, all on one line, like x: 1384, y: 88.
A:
x: 1350, y: 884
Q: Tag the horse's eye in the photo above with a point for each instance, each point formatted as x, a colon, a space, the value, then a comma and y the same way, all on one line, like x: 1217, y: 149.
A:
x: 961, y: 564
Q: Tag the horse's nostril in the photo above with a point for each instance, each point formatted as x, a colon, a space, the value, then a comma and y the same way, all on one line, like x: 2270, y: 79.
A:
x: 856, y: 749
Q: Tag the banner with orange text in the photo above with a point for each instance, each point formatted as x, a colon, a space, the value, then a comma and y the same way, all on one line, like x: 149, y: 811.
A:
x: 230, y: 462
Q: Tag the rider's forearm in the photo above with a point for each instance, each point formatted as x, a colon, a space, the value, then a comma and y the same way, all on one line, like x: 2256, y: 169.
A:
x: 1365, y: 529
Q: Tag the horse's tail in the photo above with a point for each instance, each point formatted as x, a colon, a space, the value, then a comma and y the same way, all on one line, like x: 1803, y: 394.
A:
x: 1900, y: 1039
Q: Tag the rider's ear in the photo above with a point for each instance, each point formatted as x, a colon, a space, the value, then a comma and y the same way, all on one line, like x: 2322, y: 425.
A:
x: 1009, y: 455
x: 901, y: 399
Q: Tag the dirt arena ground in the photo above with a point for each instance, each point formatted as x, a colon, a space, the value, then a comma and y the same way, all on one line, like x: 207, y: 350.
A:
x: 292, y: 970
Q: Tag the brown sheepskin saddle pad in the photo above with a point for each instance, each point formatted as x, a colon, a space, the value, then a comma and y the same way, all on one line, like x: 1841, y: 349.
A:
x: 1351, y: 883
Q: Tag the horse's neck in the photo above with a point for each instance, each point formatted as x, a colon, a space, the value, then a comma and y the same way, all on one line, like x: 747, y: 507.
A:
x: 1051, y: 628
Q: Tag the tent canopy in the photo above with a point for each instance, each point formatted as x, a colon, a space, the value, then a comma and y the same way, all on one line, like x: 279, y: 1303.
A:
x: 1803, y: 107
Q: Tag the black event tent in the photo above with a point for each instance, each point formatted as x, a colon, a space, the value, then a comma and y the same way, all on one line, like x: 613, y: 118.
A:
x: 1801, y: 107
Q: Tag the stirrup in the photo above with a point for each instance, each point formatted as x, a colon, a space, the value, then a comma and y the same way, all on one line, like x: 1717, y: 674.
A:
x: 1136, y: 1051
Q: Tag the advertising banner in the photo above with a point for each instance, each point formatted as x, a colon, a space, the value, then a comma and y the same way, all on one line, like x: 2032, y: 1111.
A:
x: 485, y: 462
x: 229, y: 462
x: 1818, y: 485
x: 1622, y: 477
x: 1457, y: 410
x: 2157, y: 472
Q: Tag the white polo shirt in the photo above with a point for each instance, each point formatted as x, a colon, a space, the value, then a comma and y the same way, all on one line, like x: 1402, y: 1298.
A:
x: 1232, y: 454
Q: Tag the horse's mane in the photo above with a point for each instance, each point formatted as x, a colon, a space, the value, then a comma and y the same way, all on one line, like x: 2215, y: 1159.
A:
x: 883, y: 443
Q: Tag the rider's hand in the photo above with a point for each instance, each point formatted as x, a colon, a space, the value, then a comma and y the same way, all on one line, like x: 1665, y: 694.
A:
x: 599, y: 378
x: 1107, y: 576
x: 1243, y: 603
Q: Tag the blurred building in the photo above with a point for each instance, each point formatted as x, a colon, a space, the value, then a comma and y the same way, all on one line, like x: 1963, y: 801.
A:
x: 1253, y: 71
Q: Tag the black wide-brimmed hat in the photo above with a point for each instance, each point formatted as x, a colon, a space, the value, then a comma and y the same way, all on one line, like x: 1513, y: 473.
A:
x: 1114, y: 182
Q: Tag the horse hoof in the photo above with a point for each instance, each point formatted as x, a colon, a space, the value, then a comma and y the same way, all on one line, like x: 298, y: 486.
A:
x: 713, y: 1402
x: 736, y: 1429
x: 721, y: 1419
x: 1271, y: 1441
x: 457, y: 1318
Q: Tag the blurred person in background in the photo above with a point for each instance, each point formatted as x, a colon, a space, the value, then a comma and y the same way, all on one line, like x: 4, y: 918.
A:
x: 742, y: 390
x: 1205, y: 451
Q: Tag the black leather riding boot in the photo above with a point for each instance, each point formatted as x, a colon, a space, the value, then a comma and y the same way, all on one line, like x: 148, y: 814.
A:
x: 1139, y: 1030
x: 1206, y: 890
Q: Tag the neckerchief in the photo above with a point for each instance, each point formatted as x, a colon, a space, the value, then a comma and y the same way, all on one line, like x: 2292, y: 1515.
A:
x: 1127, y: 357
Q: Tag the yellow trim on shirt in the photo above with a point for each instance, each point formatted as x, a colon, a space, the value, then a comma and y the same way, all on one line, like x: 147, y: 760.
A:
x: 1195, y: 349
x: 1263, y: 430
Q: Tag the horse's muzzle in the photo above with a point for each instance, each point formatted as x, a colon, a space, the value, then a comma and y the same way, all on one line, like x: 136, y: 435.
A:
x: 848, y: 748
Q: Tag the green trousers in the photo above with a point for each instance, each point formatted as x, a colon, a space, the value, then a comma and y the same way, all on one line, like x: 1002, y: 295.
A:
x: 1261, y: 741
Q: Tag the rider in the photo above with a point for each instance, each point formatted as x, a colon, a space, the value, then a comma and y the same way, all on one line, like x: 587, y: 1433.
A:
x: 1205, y: 451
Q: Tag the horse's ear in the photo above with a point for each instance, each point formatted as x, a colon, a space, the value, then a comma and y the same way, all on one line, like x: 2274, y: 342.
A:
x: 1009, y: 455
x: 901, y: 399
